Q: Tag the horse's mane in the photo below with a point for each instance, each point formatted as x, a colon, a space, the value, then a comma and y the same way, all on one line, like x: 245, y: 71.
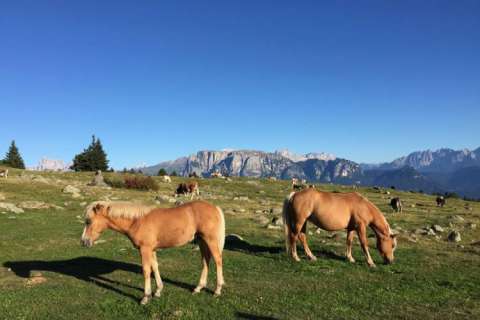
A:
x: 374, y: 209
x: 121, y: 209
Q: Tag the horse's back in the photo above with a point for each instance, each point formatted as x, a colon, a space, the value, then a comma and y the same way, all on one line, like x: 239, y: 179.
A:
x: 329, y: 210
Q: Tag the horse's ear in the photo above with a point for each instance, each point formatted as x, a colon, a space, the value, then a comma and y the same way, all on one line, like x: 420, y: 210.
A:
x: 97, y: 208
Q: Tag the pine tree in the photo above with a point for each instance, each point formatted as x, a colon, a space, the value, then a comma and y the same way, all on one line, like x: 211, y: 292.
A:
x: 162, y: 172
x: 92, y: 158
x: 13, y: 157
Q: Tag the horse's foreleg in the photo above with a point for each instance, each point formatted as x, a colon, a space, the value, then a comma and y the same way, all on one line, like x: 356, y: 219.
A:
x: 362, y: 235
x: 303, y: 239
x: 156, y: 273
x: 348, y: 254
x: 205, y: 261
x: 147, y: 255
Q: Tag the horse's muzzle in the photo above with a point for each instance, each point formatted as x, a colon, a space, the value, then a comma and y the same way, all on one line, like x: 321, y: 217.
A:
x: 86, y: 243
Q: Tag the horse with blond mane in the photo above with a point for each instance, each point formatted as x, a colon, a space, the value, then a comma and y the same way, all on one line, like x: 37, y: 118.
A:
x: 334, y: 212
x: 151, y: 228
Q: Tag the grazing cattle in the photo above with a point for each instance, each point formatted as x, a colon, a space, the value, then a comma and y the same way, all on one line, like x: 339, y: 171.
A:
x: 297, y: 185
x: 188, y: 188
x: 166, y: 179
x: 440, y: 201
x: 334, y: 212
x: 396, y: 204
x: 4, y: 173
x: 216, y: 175
x: 150, y: 229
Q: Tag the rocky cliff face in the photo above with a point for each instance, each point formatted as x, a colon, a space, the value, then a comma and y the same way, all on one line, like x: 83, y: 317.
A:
x: 250, y: 163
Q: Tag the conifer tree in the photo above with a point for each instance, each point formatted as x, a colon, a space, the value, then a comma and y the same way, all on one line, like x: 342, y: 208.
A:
x: 92, y: 158
x: 13, y: 157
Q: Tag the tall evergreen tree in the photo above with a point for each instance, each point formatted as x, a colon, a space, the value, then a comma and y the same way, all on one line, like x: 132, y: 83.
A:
x: 13, y: 157
x: 92, y: 158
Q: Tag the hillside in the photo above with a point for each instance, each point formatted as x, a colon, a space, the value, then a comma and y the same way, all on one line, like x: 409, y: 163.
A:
x: 45, y: 273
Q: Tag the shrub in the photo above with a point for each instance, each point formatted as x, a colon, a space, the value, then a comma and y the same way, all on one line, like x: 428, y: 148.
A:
x: 115, y: 182
x: 140, y: 183
x: 162, y: 172
x: 133, y: 182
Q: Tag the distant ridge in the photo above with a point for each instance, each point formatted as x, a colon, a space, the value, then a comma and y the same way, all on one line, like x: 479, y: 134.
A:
x: 428, y: 171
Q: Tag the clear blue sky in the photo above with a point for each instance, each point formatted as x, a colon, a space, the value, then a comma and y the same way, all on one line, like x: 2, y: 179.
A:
x: 365, y: 80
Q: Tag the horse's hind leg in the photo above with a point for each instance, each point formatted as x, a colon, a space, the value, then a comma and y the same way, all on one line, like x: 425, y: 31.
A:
x: 303, y: 239
x: 350, y: 236
x: 205, y: 261
x: 156, y: 273
x: 147, y: 255
x: 217, y: 256
x: 362, y: 235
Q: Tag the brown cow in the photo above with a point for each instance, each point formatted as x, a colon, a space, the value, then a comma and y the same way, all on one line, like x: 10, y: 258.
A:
x: 190, y: 187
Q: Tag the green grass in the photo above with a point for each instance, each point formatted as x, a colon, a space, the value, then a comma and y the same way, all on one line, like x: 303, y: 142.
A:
x: 431, y: 278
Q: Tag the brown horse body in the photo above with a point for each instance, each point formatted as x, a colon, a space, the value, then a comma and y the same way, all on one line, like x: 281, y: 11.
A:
x: 150, y: 229
x: 333, y: 212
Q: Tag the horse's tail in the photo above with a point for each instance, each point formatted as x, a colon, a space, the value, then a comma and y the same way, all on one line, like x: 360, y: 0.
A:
x: 287, y: 226
x: 221, y: 230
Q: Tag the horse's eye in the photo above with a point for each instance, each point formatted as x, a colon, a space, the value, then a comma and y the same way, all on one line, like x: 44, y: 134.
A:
x: 88, y: 222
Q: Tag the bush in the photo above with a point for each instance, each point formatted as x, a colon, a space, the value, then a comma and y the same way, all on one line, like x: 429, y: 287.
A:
x: 115, y: 182
x: 140, y: 183
x: 162, y: 172
x: 133, y: 182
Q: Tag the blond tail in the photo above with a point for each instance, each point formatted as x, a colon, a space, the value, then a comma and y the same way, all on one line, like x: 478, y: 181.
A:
x: 286, y: 221
x: 221, y: 230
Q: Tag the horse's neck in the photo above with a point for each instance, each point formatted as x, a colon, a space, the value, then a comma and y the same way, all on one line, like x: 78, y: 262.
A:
x: 121, y: 225
x: 379, y: 224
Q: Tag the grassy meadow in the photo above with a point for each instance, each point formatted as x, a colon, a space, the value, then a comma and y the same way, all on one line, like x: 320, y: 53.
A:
x: 46, y: 274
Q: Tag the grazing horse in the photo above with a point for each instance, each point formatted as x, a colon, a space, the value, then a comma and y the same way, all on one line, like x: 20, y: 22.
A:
x: 152, y: 228
x: 4, y: 173
x: 333, y: 212
x: 396, y: 204
x: 166, y: 179
x: 440, y: 201
x: 188, y: 188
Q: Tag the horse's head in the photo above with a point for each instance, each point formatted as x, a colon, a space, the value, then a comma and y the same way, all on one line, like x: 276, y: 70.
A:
x: 387, y: 245
x: 95, y: 222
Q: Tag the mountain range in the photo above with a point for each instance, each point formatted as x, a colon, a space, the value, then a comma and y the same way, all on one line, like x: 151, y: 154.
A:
x: 443, y: 170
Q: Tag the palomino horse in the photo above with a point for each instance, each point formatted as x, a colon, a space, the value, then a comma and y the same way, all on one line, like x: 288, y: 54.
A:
x: 151, y: 228
x: 333, y: 212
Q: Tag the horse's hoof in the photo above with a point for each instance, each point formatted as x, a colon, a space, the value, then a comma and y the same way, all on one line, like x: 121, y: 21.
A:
x: 312, y: 258
x: 351, y: 260
x: 372, y: 265
x: 197, y: 290
x: 217, y: 294
x: 145, y: 300
x: 157, y: 293
x: 297, y: 259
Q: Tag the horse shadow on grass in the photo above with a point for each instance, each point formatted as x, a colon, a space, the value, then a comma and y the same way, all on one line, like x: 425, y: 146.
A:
x: 238, y: 244
x: 88, y: 269
x: 241, y: 245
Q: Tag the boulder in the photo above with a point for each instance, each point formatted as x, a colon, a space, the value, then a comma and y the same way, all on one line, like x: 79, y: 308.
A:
x: 71, y: 189
x: 276, y: 211
x: 437, y: 228
x: 454, y: 236
x: 10, y: 207
x: 34, y: 205
x: 98, y: 180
